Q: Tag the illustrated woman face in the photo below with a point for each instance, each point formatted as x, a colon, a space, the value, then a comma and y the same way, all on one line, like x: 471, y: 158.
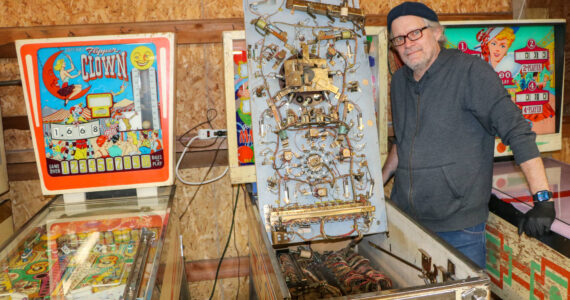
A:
x: 497, y: 50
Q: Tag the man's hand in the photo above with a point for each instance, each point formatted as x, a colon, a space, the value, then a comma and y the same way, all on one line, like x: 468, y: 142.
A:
x: 537, y: 221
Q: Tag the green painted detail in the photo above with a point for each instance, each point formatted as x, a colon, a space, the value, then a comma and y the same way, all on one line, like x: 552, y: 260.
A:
x: 559, y: 280
x: 492, y: 239
x: 509, y: 278
x: 554, y: 293
x: 533, y: 267
x: 245, y: 117
x: 492, y: 255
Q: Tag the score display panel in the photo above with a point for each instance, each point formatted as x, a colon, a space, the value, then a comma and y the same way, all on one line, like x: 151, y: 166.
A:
x: 101, y: 110
x: 314, y: 131
x: 529, y: 59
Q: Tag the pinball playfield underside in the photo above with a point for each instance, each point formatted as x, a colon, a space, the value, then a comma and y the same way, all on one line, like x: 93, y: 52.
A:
x: 314, y: 125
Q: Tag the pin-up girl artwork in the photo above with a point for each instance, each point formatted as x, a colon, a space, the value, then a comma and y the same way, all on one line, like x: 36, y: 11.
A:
x: 494, y: 46
x: 69, y: 91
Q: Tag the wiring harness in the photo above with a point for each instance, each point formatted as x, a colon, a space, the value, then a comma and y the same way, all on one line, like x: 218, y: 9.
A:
x: 331, y: 274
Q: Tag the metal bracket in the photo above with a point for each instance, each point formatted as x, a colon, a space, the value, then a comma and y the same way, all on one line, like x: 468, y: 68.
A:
x: 450, y: 274
x: 426, y: 267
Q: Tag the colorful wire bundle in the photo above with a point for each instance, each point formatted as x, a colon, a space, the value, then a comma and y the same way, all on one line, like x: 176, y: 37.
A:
x: 332, y: 274
x: 351, y: 281
x: 362, y: 266
x: 289, y: 270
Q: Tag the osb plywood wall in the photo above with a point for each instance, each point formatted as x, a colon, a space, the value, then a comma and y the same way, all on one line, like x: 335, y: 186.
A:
x: 200, y: 87
x: 450, y: 7
x: 43, y: 12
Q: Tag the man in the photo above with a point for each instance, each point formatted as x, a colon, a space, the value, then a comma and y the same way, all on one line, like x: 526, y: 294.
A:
x: 447, y: 108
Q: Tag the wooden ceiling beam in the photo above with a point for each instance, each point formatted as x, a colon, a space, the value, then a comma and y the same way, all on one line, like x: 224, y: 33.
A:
x: 187, y: 32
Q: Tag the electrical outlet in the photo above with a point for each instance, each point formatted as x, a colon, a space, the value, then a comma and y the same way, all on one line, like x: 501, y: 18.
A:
x: 205, y: 134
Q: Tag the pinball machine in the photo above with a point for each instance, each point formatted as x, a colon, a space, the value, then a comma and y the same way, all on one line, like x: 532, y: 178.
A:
x: 531, y: 68
x: 101, y: 113
x: 305, y: 86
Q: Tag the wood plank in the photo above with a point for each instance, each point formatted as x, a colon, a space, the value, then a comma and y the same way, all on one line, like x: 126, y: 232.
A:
x: 16, y: 122
x: 22, y: 172
x: 201, y: 159
x: 5, y: 210
x: 380, y: 20
x: 20, y: 156
x: 187, y: 31
x: 206, y: 269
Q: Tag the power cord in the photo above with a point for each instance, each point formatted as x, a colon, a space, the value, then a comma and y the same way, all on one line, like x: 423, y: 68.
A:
x: 202, y: 134
x: 203, y: 180
x: 227, y: 244
x: 208, y: 121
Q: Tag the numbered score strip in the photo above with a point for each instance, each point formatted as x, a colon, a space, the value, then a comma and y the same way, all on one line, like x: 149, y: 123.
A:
x: 74, y: 132
x: 105, y: 165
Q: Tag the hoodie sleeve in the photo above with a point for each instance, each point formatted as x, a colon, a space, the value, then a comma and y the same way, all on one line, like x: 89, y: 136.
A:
x: 491, y: 104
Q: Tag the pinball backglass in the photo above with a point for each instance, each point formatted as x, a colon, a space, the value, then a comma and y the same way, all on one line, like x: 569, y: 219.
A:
x: 101, y: 110
x: 528, y: 57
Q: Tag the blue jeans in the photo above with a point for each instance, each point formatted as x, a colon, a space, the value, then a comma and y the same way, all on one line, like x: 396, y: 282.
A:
x: 469, y: 241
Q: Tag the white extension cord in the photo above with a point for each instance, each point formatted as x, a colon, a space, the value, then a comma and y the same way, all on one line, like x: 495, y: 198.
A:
x: 203, y: 134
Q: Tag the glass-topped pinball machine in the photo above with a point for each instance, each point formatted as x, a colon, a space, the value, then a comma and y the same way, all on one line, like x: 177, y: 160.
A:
x: 528, y: 56
x: 101, y: 112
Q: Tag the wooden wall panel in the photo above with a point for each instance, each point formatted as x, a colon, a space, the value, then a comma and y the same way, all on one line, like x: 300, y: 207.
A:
x: 206, y: 223
x: 200, y: 84
x: 15, y: 139
x: 44, y: 12
x: 443, y: 6
x: 205, y: 228
x: 190, y: 97
x: 215, y: 83
x: 226, y: 8
x: 11, y: 97
x: 27, y: 200
x: 225, y: 288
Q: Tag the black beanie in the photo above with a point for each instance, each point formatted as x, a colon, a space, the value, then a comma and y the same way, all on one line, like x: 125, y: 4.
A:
x: 411, y: 9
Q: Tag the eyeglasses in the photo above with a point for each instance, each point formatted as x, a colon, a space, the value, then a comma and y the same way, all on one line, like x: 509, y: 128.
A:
x: 413, y: 35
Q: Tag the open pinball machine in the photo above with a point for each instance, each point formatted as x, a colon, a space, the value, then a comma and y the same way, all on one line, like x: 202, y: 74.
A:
x: 304, y: 85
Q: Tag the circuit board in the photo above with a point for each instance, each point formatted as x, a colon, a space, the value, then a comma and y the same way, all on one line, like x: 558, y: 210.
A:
x: 316, y: 145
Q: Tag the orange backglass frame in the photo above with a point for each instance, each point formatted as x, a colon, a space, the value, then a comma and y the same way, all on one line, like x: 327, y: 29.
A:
x: 34, y: 85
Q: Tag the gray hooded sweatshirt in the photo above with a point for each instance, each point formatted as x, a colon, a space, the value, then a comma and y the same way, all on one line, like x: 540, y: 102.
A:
x: 445, y: 127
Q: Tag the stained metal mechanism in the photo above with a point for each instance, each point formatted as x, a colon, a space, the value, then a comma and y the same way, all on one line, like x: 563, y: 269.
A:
x: 429, y: 275
x: 133, y: 286
x: 344, y: 12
